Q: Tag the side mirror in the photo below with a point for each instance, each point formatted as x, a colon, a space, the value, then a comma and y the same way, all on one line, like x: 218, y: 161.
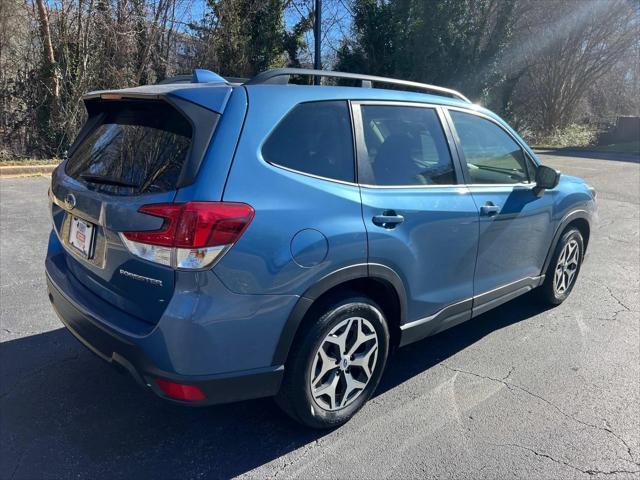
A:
x: 547, y: 178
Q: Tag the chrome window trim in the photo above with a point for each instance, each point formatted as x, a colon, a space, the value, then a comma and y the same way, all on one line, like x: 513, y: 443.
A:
x: 311, y: 175
x: 521, y: 185
x: 400, y: 103
x: 411, y: 187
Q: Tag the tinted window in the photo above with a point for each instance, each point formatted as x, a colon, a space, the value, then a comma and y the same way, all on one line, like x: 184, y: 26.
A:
x: 492, y: 155
x: 314, y: 138
x: 404, y: 146
x: 140, y: 144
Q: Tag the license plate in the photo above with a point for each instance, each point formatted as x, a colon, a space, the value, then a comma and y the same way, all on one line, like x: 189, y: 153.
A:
x: 81, y: 236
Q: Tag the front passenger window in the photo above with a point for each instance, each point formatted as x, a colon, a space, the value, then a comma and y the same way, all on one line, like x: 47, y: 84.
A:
x: 492, y: 156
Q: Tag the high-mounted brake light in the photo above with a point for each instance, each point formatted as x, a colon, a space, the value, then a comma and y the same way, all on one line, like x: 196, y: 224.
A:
x: 193, y: 235
x: 111, y: 96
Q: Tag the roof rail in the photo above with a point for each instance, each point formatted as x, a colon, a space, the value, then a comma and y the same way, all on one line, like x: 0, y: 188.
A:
x: 281, y: 76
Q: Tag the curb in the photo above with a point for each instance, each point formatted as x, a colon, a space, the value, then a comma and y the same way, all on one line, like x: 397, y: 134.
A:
x: 13, y: 170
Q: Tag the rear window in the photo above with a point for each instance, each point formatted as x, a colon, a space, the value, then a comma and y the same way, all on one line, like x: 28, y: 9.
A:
x: 314, y: 138
x: 133, y: 147
x: 404, y: 146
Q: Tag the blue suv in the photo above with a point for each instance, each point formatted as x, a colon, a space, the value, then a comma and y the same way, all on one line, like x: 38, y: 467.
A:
x: 224, y: 241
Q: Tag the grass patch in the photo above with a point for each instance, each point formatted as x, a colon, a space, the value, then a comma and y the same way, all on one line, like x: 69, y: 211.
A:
x: 26, y: 175
x: 29, y: 161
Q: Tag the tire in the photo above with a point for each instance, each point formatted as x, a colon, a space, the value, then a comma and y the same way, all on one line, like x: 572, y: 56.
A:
x: 560, y: 277
x: 318, y: 347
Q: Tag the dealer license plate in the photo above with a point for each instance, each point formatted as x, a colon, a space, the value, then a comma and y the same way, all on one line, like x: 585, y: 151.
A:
x: 81, y: 236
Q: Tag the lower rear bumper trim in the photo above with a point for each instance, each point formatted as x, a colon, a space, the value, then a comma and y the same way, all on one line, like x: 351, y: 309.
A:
x: 109, y: 346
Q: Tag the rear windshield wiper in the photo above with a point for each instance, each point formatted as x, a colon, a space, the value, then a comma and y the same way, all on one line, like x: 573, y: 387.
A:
x: 107, y: 180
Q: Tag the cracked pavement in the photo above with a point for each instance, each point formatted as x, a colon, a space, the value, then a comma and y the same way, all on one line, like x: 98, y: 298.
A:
x: 520, y: 392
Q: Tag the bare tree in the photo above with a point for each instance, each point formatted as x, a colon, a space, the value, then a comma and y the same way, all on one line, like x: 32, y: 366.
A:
x: 571, y: 45
x: 546, y: 64
x: 49, y: 60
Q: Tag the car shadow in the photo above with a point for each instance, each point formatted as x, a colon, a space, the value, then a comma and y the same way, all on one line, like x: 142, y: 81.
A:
x: 64, y: 411
x: 420, y: 356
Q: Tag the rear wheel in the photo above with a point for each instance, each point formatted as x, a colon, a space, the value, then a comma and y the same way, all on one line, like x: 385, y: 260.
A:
x: 336, y: 364
x: 564, y: 268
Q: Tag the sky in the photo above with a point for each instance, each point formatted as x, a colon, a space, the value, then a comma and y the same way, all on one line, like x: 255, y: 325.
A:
x: 336, y: 22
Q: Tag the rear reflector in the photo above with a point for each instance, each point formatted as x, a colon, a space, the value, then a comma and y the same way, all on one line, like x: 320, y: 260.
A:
x: 193, y: 234
x: 179, y: 391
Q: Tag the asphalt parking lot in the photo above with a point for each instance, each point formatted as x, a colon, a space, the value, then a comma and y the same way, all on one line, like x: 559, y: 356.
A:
x: 520, y: 392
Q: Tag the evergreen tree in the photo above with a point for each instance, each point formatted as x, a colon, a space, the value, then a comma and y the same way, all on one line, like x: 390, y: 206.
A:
x: 243, y: 37
x: 449, y: 42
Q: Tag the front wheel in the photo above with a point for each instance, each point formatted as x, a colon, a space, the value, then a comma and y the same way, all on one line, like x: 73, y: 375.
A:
x: 336, y: 363
x: 564, y: 268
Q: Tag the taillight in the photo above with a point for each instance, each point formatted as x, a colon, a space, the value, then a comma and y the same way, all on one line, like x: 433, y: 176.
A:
x: 193, y: 235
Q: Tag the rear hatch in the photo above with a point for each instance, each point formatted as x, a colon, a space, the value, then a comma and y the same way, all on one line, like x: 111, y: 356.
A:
x: 133, y: 151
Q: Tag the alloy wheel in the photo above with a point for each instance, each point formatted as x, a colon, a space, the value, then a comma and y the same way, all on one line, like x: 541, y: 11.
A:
x: 344, y: 363
x: 567, y: 267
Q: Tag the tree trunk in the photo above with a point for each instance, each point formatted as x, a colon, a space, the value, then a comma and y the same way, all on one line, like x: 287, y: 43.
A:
x: 48, y: 56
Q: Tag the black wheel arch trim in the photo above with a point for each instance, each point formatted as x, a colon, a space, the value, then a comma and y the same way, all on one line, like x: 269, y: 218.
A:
x: 326, y: 283
x: 566, y: 220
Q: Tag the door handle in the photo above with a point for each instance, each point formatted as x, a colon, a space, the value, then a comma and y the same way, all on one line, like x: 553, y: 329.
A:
x: 489, y: 209
x: 388, y: 219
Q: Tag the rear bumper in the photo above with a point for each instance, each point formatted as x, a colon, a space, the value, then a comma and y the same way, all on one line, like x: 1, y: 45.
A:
x: 128, y: 351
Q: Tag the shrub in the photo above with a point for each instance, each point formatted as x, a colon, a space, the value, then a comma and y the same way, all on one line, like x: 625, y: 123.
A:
x: 575, y: 135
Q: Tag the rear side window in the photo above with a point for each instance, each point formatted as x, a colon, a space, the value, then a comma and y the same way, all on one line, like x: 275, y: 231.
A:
x: 134, y: 147
x: 404, y: 146
x: 492, y: 156
x: 314, y: 138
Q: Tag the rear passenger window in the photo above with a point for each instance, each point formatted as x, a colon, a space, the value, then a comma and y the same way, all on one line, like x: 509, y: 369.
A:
x: 314, y: 138
x: 404, y: 146
x: 492, y: 156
